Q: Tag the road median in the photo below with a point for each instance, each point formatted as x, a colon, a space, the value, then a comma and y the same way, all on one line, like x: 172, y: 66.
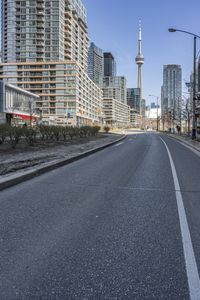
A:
x: 19, y: 177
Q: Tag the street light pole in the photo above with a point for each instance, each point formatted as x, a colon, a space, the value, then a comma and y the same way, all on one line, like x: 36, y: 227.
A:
x: 157, y: 112
x: 194, y: 93
x: 194, y: 78
x: 180, y: 114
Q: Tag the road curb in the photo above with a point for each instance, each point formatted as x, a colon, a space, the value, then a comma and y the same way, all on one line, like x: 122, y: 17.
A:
x: 183, y: 142
x: 31, y: 174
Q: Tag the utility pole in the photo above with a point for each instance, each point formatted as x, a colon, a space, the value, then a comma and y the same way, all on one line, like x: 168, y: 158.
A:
x: 181, y: 116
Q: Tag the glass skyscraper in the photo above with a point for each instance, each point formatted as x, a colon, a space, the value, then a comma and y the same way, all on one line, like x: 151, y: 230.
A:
x: 95, y: 64
x: 133, y: 99
x: 110, y: 67
x: 172, y: 89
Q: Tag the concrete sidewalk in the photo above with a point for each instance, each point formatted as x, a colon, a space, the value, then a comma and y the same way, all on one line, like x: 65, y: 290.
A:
x: 28, y: 172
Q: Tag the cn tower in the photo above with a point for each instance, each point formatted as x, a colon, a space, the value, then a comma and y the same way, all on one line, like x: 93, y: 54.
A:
x: 140, y: 61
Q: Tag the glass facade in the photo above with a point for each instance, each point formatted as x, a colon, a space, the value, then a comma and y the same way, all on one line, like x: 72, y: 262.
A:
x: 95, y: 64
x: 16, y: 103
x: 115, y: 87
x: 8, y: 30
x: 65, y: 90
x: 172, y: 89
x: 110, y: 67
x: 51, y: 60
x: 78, y: 6
x: 44, y: 30
x: 133, y: 99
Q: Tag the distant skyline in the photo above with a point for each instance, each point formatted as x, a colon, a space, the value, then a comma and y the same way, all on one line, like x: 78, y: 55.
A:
x: 113, y: 26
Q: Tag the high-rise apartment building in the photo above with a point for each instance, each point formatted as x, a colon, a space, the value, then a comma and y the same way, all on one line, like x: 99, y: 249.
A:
x: 95, y: 64
x: 116, y: 113
x: 154, y: 105
x: 116, y: 110
x: 134, y: 102
x: 110, y: 67
x: 45, y: 51
x: 171, y: 90
x: 115, y: 87
x: 133, y: 99
x: 38, y: 30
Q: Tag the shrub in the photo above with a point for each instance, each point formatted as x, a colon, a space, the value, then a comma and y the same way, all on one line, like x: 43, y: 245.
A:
x: 50, y: 132
x: 3, y: 132
x: 43, y: 131
x: 106, y: 129
x: 56, y: 132
x: 14, y: 135
x: 80, y: 132
x: 64, y: 132
x: 95, y: 130
x: 30, y: 135
x: 85, y: 131
x: 73, y: 132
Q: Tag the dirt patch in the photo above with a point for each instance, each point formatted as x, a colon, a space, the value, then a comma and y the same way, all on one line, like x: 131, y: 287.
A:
x: 25, y: 157
x: 10, y: 167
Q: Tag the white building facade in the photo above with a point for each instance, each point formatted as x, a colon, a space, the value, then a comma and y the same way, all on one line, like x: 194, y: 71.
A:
x: 45, y: 51
x: 17, y: 106
x: 116, y: 113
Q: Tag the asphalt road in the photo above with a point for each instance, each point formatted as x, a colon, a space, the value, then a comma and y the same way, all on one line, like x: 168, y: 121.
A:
x: 104, y: 227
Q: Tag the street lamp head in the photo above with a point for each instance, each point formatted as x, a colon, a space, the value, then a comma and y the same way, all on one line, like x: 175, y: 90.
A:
x: 153, y: 96
x: 172, y: 30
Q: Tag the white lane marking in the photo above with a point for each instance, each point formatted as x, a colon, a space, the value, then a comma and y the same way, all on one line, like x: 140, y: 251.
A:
x: 118, y: 144
x: 190, y: 261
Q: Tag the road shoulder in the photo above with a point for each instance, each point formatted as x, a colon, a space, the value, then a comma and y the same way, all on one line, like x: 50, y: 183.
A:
x: 192, y: 145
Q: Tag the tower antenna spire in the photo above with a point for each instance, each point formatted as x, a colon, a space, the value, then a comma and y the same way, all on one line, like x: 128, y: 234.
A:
x: 140, y: 38
x: 140, y: 60
x: 140, y: 29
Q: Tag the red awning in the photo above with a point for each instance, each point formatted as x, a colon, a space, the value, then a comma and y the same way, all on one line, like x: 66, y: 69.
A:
x: 23, y: 117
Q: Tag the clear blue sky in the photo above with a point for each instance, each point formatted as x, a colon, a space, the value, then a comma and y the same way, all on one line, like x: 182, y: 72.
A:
x: 113, y: 26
